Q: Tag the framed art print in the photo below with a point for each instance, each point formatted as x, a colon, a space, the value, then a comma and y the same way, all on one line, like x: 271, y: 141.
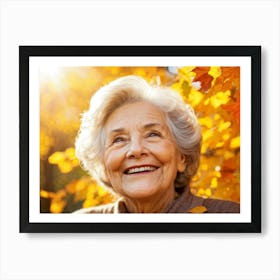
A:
x: 64, y: 91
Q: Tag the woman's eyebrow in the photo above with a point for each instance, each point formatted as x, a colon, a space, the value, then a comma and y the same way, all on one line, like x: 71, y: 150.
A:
x: 116, y: 130
x: 146, y: 126
x: 151, y: 125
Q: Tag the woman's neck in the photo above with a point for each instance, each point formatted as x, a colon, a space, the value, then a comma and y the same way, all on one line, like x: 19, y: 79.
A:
x: 156, y: 204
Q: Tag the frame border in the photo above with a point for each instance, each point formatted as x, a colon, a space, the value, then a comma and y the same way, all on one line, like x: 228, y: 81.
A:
x: 252, y: 51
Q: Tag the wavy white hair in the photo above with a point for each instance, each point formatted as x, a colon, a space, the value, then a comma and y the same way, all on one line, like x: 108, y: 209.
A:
x: 180, y: 118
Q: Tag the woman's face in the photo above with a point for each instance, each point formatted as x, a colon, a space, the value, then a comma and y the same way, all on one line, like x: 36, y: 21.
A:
x: 141, y: 157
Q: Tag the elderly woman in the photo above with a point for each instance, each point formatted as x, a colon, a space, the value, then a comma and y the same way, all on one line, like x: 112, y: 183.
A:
x: 143, y: 142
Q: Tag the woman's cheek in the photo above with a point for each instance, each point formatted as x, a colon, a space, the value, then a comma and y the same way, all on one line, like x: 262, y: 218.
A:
x: 113, y: 160
x: 165, y: 151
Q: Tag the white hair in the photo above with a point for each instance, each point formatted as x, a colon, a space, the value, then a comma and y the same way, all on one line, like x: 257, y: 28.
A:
x: 180, y: 118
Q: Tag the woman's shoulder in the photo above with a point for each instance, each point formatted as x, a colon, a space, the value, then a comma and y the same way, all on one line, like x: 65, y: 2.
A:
x: 107, y: 208
x: 190, y: 203
x: 212, y: 205
x: 221, y: 206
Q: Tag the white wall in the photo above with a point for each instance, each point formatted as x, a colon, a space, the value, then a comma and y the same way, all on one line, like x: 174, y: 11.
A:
x: 139, y: 256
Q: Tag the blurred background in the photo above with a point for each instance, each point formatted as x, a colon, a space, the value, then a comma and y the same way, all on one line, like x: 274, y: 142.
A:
x: 65, y: 92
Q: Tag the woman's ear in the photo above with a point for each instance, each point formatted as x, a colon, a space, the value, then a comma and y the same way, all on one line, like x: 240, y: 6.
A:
x: 182, y: 163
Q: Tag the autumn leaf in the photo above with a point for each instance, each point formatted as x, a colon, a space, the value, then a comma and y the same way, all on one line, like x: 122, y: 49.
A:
x: 235, y: 142
x: 203, y: 77
x: 215, y: 71
x: 220, y: 98
x: 198, y: 209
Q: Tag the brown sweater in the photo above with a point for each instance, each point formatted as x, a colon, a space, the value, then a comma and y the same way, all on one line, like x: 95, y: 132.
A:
x: 185, y: 203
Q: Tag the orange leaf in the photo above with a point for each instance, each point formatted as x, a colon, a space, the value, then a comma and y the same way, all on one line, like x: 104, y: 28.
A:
x: 198, y: 209
x: 203, y: 77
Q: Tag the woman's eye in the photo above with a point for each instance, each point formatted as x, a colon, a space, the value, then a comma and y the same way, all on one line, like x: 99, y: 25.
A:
x: 154, y: 134
x: 118, y: 139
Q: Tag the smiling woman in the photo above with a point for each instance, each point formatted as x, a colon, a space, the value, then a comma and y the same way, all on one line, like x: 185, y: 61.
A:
x: 143, y: 143
x: 142, y: 159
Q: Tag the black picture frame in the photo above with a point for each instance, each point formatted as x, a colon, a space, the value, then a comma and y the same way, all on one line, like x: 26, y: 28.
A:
x: 253, y: 52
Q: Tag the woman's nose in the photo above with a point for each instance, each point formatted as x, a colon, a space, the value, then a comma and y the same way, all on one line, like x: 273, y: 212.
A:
x: 136, y: 149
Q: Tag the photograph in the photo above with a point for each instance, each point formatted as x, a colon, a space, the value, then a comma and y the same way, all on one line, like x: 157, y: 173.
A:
x: 139, y: 133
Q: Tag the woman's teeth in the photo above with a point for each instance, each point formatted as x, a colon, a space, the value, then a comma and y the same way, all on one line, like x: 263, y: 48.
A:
x: 140, y: 169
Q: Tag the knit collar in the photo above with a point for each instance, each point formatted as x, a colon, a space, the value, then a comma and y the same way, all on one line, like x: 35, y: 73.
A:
x: 183, y: 203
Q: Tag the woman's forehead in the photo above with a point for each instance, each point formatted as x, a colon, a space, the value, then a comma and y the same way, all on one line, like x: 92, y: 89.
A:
x: 142, y: 114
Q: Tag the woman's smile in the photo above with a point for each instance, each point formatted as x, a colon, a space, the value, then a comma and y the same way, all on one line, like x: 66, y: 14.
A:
x: 141, y: 156
x: 140, y: 170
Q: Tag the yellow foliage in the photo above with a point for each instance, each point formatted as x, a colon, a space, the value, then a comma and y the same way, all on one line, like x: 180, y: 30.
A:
x: 195, y: 97
x: 204, y: 148
x: 235, y: 142
x: 187, y: 73
x: 101, y: 191
x: 228, y: 155
x: 220, y: 144
x: 56, y: 158
x: 57, y: 206
x: 207, y: 134
x: 58, y: 202
x: 214, y: 183
x: 215, y: 72
x: 207, y: 122
x: 46, y: 194
x: 208, y: 192
x: 65, y: 166
x: 226, y: 136
x: 45, y: 143
x: 220, y: 98
x: 224, y: 125
x: 217, y: 117
x: 217, y: 173
x: 70, y: 153
x: 204, y: 192
x: 204, y: 167
x: 66, y: 160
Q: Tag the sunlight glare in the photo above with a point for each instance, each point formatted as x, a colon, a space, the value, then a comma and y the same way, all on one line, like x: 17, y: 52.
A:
x: 51, y: 73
